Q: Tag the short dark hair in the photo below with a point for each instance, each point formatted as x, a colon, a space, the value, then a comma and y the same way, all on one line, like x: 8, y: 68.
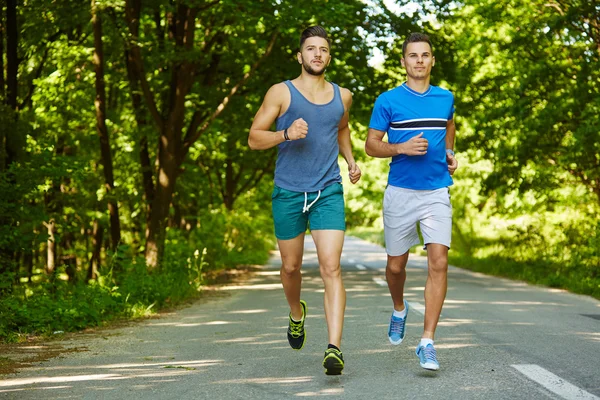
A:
x: 416, y: 37
x: 314, y: 31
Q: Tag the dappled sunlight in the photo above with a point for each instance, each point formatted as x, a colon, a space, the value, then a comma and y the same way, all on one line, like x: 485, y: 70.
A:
x: 40, y: 388
x: 322, y: 392
x: 58, y: 379
x: 506, y: 303
x: 388, y: 349
x: 457, y: 322
x: 158, y: 370
x: 178, y: 324
x: 361, y: 289
x: 237, y: 340
x: 144, y: 365
x: 268, y: 273
x: 263, y: 381
x: 448, y: 346
x: 270, y: 342
x: 263, y: 286
x: 257, y: 311
x: 504, y: 289
x: 359, y: 296
x: 197, y: 363
x: 459, y: 338
x: 592, y: 336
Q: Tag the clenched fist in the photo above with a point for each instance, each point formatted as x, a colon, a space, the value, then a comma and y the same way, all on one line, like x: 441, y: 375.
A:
x: 415, y: 146
x: 298, y: 129
x: 354, y: 172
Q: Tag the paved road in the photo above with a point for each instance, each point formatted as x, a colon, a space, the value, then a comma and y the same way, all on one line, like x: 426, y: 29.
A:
x: 497, y: 339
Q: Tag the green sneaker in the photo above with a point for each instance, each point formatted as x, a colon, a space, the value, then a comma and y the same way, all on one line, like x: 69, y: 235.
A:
x: 295, y: 333
x: 333, y: 362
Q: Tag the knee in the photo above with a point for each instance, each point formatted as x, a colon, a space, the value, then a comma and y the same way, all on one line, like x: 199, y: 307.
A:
x: 290, y: 268
x: 330, y: 270
x: 438, y: 265
x: 396, y: 268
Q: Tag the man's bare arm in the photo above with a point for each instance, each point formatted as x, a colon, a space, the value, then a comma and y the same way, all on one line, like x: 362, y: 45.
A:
x: 450, y: 134
x: 344, y: 138
x: 261, y: 137
x: 376, y: 147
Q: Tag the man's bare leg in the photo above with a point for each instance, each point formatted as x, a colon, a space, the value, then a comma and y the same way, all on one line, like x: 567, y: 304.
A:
x: 329, y: 250
x: 291, y: 277
x: 436, y: 286
x: 395, y: 274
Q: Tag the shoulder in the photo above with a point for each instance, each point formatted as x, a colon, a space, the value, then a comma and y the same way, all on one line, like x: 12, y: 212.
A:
x: 398, y: 91
x: 277, y: 94
x: 278, y: 89
x: 346, y: 95
x: 441, y: 91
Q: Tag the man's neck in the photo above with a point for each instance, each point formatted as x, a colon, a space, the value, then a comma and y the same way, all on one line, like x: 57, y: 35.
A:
x: 418, y: 85
x: 311, y: 82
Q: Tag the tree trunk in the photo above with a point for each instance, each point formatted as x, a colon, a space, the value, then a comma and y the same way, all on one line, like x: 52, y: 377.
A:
x: 100, y: 104
x: 2, y: 81
x: 28, y: 263
x: 142, y: 123
x: 94, y: 265
x: 51, y: 244
x: 10, y: 84
x: 173, y: 146
x: 69, y: 260
x: 12, y: 59
x: 165, y: 186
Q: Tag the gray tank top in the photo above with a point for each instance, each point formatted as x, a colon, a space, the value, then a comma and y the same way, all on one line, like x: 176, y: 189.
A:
x: 310, y: 164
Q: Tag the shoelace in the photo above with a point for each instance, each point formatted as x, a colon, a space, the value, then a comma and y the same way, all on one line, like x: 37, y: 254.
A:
x: 397, y: 326
x: 295, y: 328
x: 429, y: 353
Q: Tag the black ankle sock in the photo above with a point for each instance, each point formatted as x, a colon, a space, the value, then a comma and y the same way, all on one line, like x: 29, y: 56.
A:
x: 332, y: 346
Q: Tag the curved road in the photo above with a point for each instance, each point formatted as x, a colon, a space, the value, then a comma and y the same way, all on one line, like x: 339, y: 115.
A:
x: 497, y: 339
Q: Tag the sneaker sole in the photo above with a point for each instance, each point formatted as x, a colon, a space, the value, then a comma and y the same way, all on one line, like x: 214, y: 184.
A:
x: 395, y: 343
x: 430, y: 367
x: 333, y: 365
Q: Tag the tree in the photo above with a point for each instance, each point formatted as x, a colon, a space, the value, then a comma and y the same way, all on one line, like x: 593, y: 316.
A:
x: 203, y: 70
x: 528, y: 75
x: 105, y: 151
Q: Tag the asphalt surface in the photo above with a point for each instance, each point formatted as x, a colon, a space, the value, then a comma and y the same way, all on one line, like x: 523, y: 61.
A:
x: 497, y: 339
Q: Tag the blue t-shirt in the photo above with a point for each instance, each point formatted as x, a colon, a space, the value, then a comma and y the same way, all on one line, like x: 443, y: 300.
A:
x: 404, y: 113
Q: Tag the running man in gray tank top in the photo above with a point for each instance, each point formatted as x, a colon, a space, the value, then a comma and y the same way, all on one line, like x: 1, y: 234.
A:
x: 311, y: 119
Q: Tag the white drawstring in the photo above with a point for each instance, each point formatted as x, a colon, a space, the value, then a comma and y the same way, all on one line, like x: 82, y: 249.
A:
x: 306, y: 208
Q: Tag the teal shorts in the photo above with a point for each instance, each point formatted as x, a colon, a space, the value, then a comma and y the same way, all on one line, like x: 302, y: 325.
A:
x: 291, y: 217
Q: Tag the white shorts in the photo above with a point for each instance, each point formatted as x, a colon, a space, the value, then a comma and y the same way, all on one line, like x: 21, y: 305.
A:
x: 403, y: 208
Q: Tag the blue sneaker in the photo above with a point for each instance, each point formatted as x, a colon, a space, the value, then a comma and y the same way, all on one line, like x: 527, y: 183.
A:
x: 427, y: 357
x: 397, y: 331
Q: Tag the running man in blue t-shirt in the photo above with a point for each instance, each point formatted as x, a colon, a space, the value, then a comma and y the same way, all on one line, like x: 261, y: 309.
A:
x: 418, y: 119
x: 311, y: 119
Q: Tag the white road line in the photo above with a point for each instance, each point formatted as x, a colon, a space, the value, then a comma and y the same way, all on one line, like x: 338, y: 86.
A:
x: 361, y: 267
x: 553, y: 383
x: 418, y: 307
